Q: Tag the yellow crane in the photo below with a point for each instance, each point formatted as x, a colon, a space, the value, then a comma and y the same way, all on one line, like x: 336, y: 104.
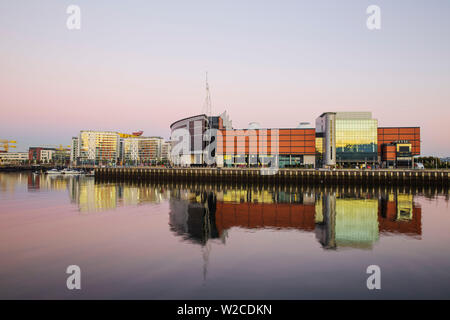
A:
x: 62, y: 148
x: 57, y: 147
x: 6, y: 144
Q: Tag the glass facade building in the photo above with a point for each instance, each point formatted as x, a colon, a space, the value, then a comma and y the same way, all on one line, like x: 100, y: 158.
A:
x: 356, y: 139
x: 347, y: 137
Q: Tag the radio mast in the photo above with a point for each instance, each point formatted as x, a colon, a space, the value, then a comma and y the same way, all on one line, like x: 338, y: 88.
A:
x: 207, y: 108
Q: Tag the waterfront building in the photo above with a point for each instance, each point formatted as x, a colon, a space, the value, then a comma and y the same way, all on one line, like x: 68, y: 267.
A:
x: 354, y: 138
x: 41, y: 155
x: 188, y: 150
x: 47, y: 155
x: 256, y: 147
x: 249, y: 147
x: 113, y: 148
x: 74, y: 150
x: 141, y: 150
x: 397, y: 146
x: 188, y: 144
x: 348, y: 137
x: 165, y: 151
x: 13, y: 157
x: 98, y: 147
x: 339, y: 139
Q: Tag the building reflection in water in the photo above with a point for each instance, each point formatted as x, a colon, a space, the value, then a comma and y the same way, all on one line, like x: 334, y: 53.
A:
x: 345, y: 221
x: 37, y: 182
x: 93, y: 197
x: 339, y: 219
x: 192, y: 216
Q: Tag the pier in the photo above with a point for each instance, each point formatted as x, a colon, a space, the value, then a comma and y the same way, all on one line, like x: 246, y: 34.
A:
x: 281, y: 176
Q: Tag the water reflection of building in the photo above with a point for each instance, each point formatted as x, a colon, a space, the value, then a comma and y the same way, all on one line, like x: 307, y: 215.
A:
x: 348, y: 222
x: 47, y: 182
x: 398, y: 214
x: 263, y: 209
x: 92, y: 197
x: 193, y: 216
x: 345, y: 222
x: 338, y: 220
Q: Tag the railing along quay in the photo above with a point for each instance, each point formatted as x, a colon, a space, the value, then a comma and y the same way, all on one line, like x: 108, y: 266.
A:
x: 304, y: 176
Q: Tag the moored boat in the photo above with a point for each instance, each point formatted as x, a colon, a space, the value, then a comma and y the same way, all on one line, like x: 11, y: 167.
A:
x: 70, y: 171
x: 53, y: 171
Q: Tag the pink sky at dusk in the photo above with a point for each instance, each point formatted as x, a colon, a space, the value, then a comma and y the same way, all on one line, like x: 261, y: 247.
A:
x: 140, y: 65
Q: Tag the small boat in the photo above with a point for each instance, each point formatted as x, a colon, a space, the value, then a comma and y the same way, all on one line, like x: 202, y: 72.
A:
x: 53, y: 171
x: 70, y: 171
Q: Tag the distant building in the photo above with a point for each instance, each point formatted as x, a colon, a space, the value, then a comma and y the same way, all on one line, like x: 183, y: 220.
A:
x: 284, y: 147
x: 41, y: 154
x: 254, y: 146
x: 13, y: 157
x: 47, y: 155
x: 398, y: 145
x: 188, y: 146
x: 115, y: 148
x: 165, y: 151
x: 74, y: 150
x: 189, y: 151
x: 354, y: 138
x: 347, y: 137
x: 141, y: 150
x: 97, y: 147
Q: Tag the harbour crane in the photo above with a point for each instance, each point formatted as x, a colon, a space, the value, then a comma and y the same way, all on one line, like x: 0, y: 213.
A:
x: 6, y: 144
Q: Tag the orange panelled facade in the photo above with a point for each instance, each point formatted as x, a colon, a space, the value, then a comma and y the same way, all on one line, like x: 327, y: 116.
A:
x: 263, y: 215
x: 389, y: 153
x: 265, y: 141
x: 392, y: 134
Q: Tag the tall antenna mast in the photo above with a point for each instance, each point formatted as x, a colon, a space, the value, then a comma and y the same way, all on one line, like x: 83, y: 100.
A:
x: 208, y: 112
x: 208, y: 106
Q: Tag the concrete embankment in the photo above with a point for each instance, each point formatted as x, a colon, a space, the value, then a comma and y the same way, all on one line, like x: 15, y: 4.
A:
x: 303, y: 176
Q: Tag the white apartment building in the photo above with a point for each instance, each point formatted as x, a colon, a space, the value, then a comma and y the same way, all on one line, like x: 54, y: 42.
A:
x: 110, y: 147
x: 141, y: 150
x: 47, y: 155
x: 13, y: 157
x: 96, y: 147
x: 74, y: 150
x: 165, y: 150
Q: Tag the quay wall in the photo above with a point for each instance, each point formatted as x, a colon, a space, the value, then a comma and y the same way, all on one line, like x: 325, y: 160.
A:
x: 288, y: 176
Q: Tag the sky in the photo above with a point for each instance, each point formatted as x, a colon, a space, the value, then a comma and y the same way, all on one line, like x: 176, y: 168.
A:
x: 140, y: 65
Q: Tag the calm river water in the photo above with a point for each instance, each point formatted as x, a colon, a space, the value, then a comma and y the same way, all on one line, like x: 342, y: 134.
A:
x: 152, y: 241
